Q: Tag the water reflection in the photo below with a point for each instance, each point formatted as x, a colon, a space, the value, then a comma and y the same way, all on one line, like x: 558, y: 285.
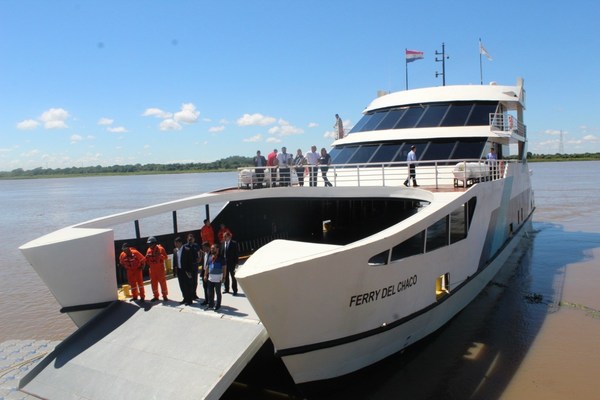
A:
x: 476, y: 354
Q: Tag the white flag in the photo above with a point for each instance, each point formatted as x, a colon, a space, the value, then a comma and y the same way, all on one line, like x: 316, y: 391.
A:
x: 483, y: 51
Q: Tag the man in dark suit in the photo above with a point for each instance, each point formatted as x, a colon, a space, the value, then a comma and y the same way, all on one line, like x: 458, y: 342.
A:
x: 259, y: 162
x: 229, y: 249
x: 185, y: 261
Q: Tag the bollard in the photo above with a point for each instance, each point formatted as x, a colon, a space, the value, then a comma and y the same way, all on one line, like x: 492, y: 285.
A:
x: 126, y: 290
x: 169, y: 266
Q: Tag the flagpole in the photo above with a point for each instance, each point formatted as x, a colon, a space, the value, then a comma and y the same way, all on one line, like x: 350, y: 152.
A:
x: 480, y: 64
x: 406, y: 67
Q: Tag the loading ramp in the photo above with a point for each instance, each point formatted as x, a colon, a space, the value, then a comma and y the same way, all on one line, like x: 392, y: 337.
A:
x: 151, y: 351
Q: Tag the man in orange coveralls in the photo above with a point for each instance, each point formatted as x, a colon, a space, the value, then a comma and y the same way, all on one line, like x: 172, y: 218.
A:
x: 207, y: 233
x: 133, y: 261
x: 155, y: 258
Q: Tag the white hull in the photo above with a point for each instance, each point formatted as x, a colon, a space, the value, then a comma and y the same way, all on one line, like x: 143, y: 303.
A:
x: 343, y: 359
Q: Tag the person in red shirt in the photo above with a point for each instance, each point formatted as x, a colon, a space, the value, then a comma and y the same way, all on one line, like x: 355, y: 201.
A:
x: 155, y: 258
x: 207, y: 233
x: 223, y: 231
x: 133, y: 261
x: 272, y: 158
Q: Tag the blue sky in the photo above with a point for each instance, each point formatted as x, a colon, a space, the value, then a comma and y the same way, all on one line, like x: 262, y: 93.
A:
x: 123, y: 82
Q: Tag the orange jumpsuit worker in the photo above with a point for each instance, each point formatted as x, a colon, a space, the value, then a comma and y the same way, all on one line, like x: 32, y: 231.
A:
x: 155, y: 258
x: 133, y: 261
x: 207, y: 233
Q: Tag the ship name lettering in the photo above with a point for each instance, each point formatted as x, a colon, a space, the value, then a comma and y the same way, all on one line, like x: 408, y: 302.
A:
x: 374, y: 295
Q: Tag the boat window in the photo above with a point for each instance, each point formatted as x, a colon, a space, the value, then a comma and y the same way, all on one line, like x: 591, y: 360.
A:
x: 379, y: 259
x: 437, y: 234
x: 458, y: 224
x: 433, y: 115
x: 470, y: 211
x: 410, y: 117
x: 481, y: 114
x: 361, y: 123
x: 391, y: 118
x: 469, y: 149
x: 363, y: 154
x: 457, y: 114
x: 386, y: 152
x: 410, y: 247
x: 344, y: 155
x: 374, y: 120
x: 403, y: 153
x: 437, y: 151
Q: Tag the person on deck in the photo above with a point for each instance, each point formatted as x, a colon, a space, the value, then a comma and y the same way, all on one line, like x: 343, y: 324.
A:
x: 324, y: 162
x: 214, y: 274
x: 222, y: 232
x: 184, y: 260
x: 155, y: 258
x: 312, y: 158
x: 411, y: 159
x: 133, y: 261
x: 207, y: 233
x: 229, y: 251
x: 492, y: 160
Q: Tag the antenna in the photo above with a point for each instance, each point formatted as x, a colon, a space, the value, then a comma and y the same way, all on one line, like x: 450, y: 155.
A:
x: 443, y: 61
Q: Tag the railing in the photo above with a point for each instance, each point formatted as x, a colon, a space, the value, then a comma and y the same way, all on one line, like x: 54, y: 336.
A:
x: 434, y: 173
x: 507, y: 124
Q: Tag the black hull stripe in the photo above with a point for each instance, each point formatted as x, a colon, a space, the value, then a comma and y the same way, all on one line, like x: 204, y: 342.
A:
x: 85, y: 307
x: 372, y: 332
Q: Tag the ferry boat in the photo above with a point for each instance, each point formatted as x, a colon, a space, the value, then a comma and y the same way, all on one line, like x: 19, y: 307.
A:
x: 344, y: 276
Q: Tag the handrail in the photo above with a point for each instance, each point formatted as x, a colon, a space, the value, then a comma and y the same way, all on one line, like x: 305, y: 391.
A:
x: 429, y: 173
x: 507, y: 124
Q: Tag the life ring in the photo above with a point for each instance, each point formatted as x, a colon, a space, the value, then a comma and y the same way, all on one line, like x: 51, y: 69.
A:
x: 510, y: 122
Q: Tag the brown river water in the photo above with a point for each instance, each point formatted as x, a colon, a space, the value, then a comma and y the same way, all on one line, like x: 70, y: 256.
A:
x: 533, y: 333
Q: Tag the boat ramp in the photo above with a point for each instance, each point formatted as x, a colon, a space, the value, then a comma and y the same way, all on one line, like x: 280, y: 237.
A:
x: 152, y: 350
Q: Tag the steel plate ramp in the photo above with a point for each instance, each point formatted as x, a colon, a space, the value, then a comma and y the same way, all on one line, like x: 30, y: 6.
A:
x: 159, y: 352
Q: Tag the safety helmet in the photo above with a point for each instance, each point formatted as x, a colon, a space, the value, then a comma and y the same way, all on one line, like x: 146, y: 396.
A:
x: 151, y: 240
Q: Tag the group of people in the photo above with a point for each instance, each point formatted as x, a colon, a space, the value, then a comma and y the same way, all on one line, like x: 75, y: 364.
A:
x: 213, y: 263
x: 283, y: 163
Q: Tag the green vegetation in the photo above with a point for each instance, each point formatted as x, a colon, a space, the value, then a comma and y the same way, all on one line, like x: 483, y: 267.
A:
x: 225, y: 164
x: 563, y: 157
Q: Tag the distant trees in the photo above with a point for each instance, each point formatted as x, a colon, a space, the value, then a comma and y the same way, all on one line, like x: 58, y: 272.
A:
x: 225, y: 164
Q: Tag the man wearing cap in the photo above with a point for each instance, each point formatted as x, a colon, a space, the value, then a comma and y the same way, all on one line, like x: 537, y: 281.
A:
x: 411, y: 159
x: 155, y: 258
x: 133, y: 261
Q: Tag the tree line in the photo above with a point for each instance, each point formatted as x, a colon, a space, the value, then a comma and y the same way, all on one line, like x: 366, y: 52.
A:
x: 224, y: 164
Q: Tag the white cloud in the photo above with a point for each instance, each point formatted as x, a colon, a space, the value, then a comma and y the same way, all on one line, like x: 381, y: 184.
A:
x: 590, y: 138
x: 76, y: 138
x: 255, y: 138
x: 214, y: 129
x: 553, y: 132
x: 31, y: 153
x: 28, y: 124
x: 188, y: 114
x: 329, y: 134
x: 156, y: 112
x: 117, y: 129
x: 55, y: 118
x: 105, y: 121
x: 285, y: 130
x: 146, y: 146
x: 224, y: 121
x: 273, y: 139
x: 169, y: 125
x: 255, y: 119
x: 312, y: 124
